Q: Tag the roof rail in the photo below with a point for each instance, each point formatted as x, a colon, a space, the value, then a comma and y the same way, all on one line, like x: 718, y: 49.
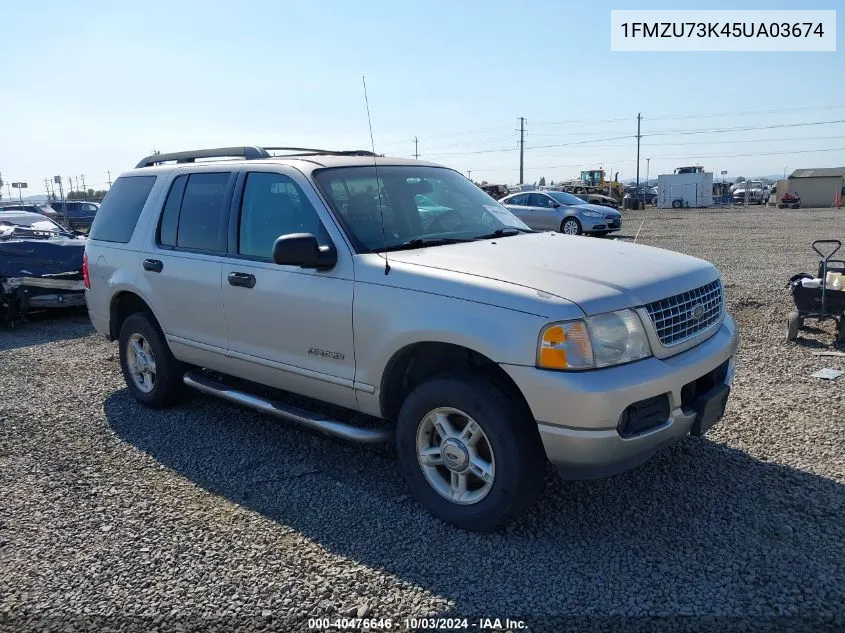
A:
x: 247, y: 153
x: 307, y: 151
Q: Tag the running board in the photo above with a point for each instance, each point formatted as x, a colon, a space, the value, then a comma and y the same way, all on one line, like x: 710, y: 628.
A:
x: 197, y: 380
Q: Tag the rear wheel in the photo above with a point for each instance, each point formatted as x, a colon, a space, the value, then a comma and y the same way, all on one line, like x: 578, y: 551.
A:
x: 149, y: 368
x: 469, y: 456
x: 792, y: 326
x: 571, y: 226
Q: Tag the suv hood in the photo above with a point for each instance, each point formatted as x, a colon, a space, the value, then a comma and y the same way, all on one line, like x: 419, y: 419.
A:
x: 598, y: 275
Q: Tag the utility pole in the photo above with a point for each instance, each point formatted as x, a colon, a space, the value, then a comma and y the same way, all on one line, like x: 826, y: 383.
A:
x: 82, y: 177
x: 109, y: 173
x: 69, y: 186
x: 416, y: 147
x: 521, y: 148
x: 469, y: 175
x: 639, y: 118
x: 47, y: 187
x: 647, y: 166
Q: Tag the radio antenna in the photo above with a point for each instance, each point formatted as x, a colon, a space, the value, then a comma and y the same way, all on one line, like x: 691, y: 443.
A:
x: 378, y: 186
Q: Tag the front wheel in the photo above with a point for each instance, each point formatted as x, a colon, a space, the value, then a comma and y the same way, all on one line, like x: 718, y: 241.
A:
x: 571, y: 226
x: 470, y: 457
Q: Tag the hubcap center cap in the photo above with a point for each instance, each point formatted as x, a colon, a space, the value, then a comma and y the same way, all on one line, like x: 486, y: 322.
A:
x: 455, y: 455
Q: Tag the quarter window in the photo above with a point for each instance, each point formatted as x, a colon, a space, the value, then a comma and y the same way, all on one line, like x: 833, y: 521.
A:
x: 121, y: 208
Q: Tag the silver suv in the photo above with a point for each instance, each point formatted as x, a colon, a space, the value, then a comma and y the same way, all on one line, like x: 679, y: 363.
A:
x: 399, y: 290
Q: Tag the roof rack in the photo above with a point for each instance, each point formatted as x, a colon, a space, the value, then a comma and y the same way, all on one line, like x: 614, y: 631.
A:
x: 246, y: 152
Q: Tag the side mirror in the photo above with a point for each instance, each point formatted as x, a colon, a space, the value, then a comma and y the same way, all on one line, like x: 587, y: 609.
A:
x: 302, y: 249
x: 555, y: 205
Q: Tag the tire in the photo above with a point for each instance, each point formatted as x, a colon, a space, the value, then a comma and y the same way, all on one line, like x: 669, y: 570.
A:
x: 792, y: 325
x: 573, y: 224
x: 676, y: 204
x: 165, y: 386
x: 508, y: 444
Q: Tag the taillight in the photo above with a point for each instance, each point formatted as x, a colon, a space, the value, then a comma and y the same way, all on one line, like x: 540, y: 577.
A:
x: 85, y: 270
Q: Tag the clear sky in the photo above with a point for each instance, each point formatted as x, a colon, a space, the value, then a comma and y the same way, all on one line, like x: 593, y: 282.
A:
x: 88, y: 87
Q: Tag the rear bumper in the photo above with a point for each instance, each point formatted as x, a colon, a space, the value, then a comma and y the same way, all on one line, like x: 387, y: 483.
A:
x: 578, y: 414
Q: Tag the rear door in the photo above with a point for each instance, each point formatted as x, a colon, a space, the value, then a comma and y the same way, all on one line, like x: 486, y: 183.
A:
x: 181, y: 268
x: 289, y: 327
x: 518, y: 205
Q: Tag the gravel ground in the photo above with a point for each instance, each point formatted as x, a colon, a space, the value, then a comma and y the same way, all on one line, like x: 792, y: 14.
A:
x: 212, y: 517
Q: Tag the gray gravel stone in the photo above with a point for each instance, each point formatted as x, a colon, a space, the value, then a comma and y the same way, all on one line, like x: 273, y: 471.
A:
x: 221, y: 519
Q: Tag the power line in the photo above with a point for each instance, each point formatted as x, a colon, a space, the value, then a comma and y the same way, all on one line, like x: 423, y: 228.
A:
x: 743, y: 129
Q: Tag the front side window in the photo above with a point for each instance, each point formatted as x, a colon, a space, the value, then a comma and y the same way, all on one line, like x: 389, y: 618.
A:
x: 411, y: 206
x: 520, y: 199
x: 273, y: 205
x: 539, y: 200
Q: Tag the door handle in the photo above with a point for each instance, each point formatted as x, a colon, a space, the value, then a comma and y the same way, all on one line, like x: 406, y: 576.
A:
x: 153, y: 265
x: 241, y: 279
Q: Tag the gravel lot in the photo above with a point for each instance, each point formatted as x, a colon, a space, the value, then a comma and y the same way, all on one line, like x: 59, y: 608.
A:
x: 211, y: 517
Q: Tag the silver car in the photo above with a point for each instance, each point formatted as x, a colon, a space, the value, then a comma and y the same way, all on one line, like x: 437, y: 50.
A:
x: 561, y: 211
x: 398, y: 290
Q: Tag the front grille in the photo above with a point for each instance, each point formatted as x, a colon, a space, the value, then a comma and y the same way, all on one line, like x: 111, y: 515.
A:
x: 673, y: 317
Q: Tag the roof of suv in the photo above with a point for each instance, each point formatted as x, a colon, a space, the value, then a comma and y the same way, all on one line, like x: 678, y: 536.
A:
x: 306, y: 161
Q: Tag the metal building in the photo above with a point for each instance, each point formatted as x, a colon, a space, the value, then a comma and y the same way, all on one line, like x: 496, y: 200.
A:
x: 818, y: 187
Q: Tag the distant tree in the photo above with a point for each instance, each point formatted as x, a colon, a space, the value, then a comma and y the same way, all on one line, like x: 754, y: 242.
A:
x: 552, y: 183
x: 542, y: 181
x: 484, y: 182
x: 740, y: 179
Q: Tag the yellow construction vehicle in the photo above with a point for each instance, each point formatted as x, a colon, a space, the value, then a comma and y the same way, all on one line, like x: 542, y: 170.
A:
x: 594, y: 181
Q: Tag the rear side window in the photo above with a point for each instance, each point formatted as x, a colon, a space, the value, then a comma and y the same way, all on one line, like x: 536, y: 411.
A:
x: 121, y: 208
x: 170, y: 216
x: 196, y: 213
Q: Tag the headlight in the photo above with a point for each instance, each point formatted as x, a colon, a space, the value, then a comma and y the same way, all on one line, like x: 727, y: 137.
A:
x: 603, y: 340
x: 592, y: 214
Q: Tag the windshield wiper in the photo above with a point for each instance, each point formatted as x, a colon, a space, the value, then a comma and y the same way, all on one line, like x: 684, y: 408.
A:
x: 423, y: 241
x: 504, y: 231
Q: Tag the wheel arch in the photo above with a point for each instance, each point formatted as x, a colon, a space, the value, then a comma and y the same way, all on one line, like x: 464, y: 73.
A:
x: 417, y: 362
x: 125, y: 303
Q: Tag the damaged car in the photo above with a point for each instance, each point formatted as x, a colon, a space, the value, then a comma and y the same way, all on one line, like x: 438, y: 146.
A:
x: 40, y: 265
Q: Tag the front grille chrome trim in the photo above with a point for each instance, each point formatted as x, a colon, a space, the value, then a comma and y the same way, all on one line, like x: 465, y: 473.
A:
x: 673, y: 319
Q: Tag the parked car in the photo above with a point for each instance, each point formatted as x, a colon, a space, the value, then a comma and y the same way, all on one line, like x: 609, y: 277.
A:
x: 564, y: 212
x: 758, y: 192
x: 79, y: 213
x: 40, y: 265
x: 30, y: 207
x: 639, y: 198
x: 480, y: 347
x: 599, y: 199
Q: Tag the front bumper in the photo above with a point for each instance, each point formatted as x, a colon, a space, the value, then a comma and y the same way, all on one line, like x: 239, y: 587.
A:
x: 578, y: 413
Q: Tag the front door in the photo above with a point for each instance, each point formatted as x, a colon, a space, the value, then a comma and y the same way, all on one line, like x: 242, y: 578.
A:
x: 289, y: 327
x: 543, y: 209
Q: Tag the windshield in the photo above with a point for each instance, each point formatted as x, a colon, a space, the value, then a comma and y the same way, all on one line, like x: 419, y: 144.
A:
x: 565, y: 198
x: 418, y: 204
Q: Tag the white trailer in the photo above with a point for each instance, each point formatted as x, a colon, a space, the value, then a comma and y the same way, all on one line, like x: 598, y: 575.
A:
x: 687, y: 187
